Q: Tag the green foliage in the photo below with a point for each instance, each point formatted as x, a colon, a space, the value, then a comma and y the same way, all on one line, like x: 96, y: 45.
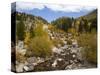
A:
x: 40, y: 47
x: 39, y: 44
x: 72, y: 30
x: 20, y: 30
x: 38, y: 31
x: 89, y: 42
x: 25, y: 17
x: 62, y: 23
x: 31, y: 32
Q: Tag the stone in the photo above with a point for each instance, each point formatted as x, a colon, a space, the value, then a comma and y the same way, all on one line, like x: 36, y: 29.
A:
x: 56, y: 50
x: 65, y: 42
x: 67, y: 62
x: 26, y: 63
x: 26, y: 68
x: 59, y: 45
x: 59, y: 59
x: 64, y: 47
x: 74, y: 43
x: 20, y: 45
x: 32, y: 60
x: 73, y: 50
x: 76, y: 61
x: 31, y: 67
x: 68, y: 67
x: 71, y: 61
x: 17, y: 62
x: 72, y: 66
x: 54, y: 63
x: 19, y: 67
x: 73, y: 55
x: 52, y: 37
x: 79, y: 54
x: 63, y: 54
x: 22, y: 51
x: 34, y: 64
x: 40, y: 60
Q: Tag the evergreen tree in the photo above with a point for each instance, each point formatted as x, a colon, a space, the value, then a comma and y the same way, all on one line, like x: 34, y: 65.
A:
x: 20, y: 30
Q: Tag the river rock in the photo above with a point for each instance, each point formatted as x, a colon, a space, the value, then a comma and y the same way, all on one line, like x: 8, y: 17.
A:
x: 26, y: 68
x: 19, y: 67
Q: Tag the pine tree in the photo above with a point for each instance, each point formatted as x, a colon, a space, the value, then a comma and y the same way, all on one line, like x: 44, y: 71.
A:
x: 20, y: 30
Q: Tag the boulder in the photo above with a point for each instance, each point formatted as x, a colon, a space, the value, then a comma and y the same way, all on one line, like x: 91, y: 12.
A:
x: 32, y: 60
x: 56, y: 50
x: 26, y: 68
x: 54, y: 64
x: 19, y: 67
x: 20, y: 45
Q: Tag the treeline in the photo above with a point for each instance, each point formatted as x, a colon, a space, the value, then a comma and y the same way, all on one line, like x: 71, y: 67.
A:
x: 26, y: 23
x: 86, y: 23
x: 25, y: 17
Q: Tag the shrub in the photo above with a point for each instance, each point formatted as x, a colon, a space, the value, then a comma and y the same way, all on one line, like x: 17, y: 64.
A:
x: 39, y: 47
x: 72, y: 31
x: 38, y: 31
x: 89, y: 42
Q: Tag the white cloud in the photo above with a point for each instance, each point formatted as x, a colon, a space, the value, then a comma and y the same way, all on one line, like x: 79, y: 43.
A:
x: 28, y: 6
x: 54, y: 7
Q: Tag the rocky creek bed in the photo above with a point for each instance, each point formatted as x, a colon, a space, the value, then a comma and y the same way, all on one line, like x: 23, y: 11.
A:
x: 64, y: 57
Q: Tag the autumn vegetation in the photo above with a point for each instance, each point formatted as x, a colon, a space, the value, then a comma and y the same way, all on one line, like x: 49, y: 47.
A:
x: 38, y: 43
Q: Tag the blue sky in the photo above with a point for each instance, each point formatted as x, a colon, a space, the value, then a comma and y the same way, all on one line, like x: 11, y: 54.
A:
x: 53, y: 11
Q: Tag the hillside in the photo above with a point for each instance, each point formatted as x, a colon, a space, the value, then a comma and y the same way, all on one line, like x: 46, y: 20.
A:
x: 84, y: 23
x: 91, y: 15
